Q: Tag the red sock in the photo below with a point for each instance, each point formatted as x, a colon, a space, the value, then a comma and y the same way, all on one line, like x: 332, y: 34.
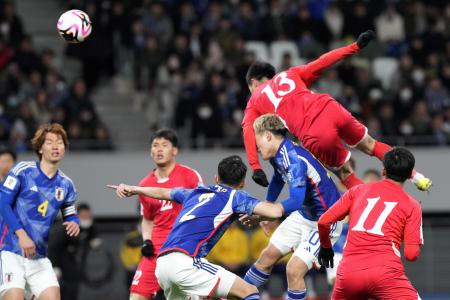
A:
x: 352, y: 180
x: 380, y: 149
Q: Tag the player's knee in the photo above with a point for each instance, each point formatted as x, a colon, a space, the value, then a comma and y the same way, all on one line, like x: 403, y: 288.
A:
x: 296, y: 269
x: 269, y: 256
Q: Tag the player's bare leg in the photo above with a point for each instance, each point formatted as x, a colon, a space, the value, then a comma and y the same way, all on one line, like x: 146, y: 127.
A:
x: 296, y: 270
x: 375, y: 148
x: 134, y: 296
x: 347, y: 175
x: 14, y: 294
x: 51, y: 293
x: 268, y: 258
x: 242, y: 290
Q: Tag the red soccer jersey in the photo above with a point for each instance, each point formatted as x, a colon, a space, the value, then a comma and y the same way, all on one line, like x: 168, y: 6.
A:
x: 287, y: 95
x: 163, y: 213
x: 382, y: 216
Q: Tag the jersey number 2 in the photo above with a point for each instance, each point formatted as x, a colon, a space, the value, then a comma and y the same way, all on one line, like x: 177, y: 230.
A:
x: 203, y: 199
x: 376, y: 229
x: 42, y: 208
x: 287, y: 84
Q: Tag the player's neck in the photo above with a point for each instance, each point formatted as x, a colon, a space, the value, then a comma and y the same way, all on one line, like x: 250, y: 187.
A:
x: 49, y: 169
x: 395, y: 182
x: 163, y: 172
x: 276, y: 145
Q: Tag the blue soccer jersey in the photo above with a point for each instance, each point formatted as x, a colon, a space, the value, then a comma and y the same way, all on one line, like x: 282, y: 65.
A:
x: 206, y: 214
x: 30, y: 200
x: 297, y: 167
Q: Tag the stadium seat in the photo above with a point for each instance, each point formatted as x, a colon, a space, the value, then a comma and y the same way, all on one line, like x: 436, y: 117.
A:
x: 259, y: 48
x: 384, y: 69
x: 279, y: 48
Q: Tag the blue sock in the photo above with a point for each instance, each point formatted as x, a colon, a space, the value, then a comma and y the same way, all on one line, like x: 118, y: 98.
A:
x: 254, y: 296
x: 256, y: 277
x: 296, y: 294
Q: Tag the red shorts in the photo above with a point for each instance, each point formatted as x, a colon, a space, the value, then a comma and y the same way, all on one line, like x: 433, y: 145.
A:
x: 324, y: 136
x: 144, y: 281
x: 381, y: 282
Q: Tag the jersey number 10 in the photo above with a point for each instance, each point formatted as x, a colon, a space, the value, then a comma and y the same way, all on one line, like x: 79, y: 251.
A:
x: 282, y: 81
x: 376, y: 229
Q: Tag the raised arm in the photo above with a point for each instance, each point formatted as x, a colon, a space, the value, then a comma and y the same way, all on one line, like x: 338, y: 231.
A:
x: 124, y: 191
x: 314, y: 69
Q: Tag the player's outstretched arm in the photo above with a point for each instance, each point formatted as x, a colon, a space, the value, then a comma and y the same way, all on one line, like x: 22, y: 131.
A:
x: 124, y: 191
x: 313, y: 70
x: 269, y: 210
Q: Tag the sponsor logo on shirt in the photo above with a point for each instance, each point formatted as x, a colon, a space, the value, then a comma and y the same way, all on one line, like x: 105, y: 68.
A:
x: 59, y: 194
x: 10, y: 182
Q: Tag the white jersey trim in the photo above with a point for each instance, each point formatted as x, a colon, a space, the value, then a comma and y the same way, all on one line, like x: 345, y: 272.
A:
x: 22, y: 166
x: 226, y: 211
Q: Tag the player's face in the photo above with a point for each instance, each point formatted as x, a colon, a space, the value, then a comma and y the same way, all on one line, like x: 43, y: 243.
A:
x: 6, y: 163
x: 264, y: 142
x: 163, y: 152
x: 53, y: 149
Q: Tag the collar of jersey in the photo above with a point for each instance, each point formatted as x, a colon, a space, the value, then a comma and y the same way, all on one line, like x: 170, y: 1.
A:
x: 38, y: 164
x: 281, y: 146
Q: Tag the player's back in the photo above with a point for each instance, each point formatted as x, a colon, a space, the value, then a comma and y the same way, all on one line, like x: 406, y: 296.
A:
x: 286, y: 94
x: 382, y: 215
x: 206, y: 214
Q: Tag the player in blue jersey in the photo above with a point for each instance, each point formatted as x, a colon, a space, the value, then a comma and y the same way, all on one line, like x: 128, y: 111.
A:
x: 30, y: 197
x: 311, y: 193
x: 207, y: 212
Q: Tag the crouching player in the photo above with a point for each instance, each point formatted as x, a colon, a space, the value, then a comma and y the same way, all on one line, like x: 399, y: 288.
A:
x: 206, y: 214
x: 382, y: 216
x: 30, y: 198
x: 311, y: 192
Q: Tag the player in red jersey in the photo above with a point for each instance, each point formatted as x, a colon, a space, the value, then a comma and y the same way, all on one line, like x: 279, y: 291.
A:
x: 158, y: 216
x: 382, y: 216
x: 318, y: 120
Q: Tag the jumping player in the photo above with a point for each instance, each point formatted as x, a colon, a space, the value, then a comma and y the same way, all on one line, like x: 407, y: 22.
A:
x: 158, y: 216
x: 382, y: 216
x: 318, y: 120
x: 30, y: 197
x: 311, y: 193
x: 207, y: 212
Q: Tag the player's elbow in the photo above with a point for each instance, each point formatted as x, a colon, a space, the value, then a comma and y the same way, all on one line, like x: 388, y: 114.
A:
x: 411, y: 252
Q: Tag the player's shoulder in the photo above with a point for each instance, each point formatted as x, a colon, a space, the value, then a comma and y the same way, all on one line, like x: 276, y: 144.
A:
x: 64, y: 178
x: 186, y: 170
x: 148, y: 179
x: 23, y: 166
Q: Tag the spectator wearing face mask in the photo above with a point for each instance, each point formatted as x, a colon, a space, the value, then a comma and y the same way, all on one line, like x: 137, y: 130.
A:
x: 68, y: 254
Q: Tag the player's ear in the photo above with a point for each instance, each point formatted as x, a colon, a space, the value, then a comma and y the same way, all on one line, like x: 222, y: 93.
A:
x: 383, y: 172
x: 174, y: 151
x: 241, y: 184
x: 216, y: 179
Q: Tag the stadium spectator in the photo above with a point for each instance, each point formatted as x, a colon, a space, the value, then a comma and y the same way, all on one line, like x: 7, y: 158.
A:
x: 7, y: 160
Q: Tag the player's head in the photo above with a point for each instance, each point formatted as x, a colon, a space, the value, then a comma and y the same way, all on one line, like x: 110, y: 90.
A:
x: 371, y: 175
x: 398, y: 164
x: 231, y: 171
x: 164, y: 147
x: 258, y: 73
x: 50, y: 142
x: 269, y: 133
x: 7, y: 160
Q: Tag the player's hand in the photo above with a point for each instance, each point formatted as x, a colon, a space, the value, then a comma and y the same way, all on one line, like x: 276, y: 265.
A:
x: 260, y: 177
x: 72, y: 228
x: 26, y: 244
x: 325, y: 257
x: 365, y: 38
x: 123, y: 190
x: 249, y: 221
x: 147, y: 249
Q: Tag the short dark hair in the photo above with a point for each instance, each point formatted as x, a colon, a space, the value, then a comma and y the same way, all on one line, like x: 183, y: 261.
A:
x: 83, y: 206
x: 10, y: 152
x: 232, y: 170
x: 258, y: 70
x: 399, y: 164
x: 167, y: 134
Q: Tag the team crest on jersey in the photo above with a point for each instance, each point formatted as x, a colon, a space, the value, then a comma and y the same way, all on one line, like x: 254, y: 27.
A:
x: 59, y: 194
x: 8, y: 277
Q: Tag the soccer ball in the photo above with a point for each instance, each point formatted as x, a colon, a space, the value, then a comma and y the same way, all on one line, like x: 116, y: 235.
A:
x: 74, y: 26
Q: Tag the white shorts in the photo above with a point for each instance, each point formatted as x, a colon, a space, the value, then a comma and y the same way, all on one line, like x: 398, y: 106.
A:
x: 35, y: 275
x: 182, y: 277
x: 299, y: 235
x: 331, y: 272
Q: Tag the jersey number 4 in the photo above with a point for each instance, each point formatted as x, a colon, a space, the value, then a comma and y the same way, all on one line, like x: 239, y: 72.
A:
x: 285, y: 86
x: 376, y: 229
x: 42, y: 208
x: 203, y: 199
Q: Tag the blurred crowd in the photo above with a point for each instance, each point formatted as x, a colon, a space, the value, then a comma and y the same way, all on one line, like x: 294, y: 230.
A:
x: 33, y: 91
x: 188, y: 59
